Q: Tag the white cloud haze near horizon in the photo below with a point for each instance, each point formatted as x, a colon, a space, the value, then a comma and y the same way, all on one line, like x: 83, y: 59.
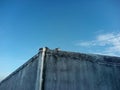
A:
x: 109, y: 44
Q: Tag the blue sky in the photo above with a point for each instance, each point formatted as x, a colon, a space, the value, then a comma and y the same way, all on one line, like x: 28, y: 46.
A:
x: 90, y: 26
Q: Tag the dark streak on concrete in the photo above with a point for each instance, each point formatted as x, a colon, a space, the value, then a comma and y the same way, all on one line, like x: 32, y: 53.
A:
x: 67, y: 71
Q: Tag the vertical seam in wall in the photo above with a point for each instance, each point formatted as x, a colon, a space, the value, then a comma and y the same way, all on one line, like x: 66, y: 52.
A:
x: 42, y: 68
x: 39, y: 80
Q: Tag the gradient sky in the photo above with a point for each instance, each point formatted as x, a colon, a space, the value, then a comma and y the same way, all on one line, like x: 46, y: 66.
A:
x: 27, y: 25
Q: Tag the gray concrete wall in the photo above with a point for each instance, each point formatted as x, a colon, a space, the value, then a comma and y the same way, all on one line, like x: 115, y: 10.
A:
x: 24, y: 78
x: 66, y: 71
x: 75, y: 71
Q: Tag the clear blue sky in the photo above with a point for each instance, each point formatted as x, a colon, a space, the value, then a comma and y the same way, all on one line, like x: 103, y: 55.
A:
x: 74, y: 25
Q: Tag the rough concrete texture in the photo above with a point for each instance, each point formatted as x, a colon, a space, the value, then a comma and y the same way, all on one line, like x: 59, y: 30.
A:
x: 24, y: 78
x: 74, y: 71
x: 66, y: 71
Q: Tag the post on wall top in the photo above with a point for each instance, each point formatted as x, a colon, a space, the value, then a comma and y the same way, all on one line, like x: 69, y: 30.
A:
x: 43, y: 49
x: 46, y: 48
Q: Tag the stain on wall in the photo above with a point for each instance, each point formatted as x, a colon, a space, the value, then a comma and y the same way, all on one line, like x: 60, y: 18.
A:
x: 66, y: 71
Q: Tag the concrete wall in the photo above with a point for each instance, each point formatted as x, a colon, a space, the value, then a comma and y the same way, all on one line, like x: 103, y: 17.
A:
x: 66, y: 71
x: 24, y: 78
x: 75, y: 71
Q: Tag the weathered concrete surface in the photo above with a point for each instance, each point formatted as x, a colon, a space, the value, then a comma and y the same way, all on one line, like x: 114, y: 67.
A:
x: 24, y: 78
x: 66, y: 71
x: 75, y: 71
